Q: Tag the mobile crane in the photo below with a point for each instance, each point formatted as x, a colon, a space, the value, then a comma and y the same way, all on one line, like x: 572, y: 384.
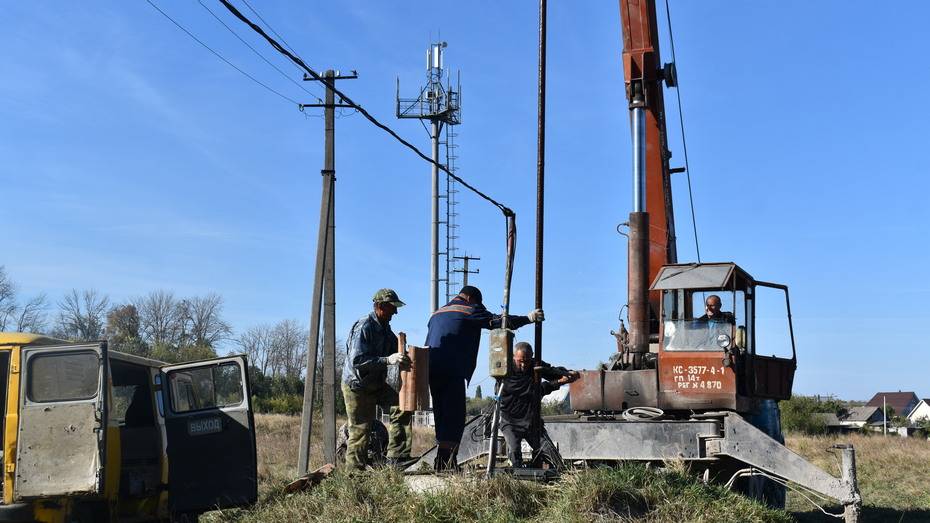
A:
x: 682, y: 386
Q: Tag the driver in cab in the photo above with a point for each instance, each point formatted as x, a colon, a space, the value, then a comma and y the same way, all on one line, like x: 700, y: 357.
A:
x: 712, y: 311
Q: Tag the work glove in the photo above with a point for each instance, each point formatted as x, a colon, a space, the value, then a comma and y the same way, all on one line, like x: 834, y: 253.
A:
x: 399, y: 358
x: 536, y: 315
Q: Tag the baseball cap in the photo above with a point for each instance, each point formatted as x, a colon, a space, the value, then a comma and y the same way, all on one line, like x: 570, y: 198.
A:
x: 387, y: 296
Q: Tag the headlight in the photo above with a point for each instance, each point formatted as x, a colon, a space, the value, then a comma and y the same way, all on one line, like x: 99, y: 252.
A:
x: 723, y: 341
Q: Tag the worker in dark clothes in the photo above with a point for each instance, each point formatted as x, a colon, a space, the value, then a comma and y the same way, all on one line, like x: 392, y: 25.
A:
x: 453, y: 337
x: 520, y: 399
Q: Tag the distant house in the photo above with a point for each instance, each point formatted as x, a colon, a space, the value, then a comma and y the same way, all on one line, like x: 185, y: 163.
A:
x: 920, y: 412
x: 859, y: 417
x: 902, y: 402
x: 855, y: 419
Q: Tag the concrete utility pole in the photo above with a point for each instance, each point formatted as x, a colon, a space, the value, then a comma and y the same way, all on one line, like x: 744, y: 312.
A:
x: 465, y: 272
x: 324, y: 286
x: 440, y: 105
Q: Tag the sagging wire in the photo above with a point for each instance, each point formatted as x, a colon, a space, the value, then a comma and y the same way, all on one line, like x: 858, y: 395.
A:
x: 218, y: 55
x: 267, y: 61
x: 331, y: 85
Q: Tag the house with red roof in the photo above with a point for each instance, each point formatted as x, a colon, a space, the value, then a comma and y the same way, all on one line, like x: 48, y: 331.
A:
x: 902, y: 402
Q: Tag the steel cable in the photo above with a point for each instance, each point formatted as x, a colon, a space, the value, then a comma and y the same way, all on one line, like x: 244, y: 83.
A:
x: 684, y: 144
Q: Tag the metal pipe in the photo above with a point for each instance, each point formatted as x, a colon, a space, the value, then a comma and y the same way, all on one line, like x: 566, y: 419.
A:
x: 639, y: 159
x: 495, y: 426
x: 508, y: 268
x: 540, y: 174
x: 638, y: 287
x: 434, y: 234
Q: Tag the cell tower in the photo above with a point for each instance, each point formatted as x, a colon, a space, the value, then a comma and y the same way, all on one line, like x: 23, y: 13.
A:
x: 440, y: 104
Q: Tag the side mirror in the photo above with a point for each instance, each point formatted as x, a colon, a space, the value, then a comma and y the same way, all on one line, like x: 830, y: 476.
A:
x: 741, y: 338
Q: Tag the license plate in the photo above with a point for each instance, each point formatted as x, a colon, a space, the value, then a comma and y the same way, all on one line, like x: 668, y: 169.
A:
x: 201, y: 426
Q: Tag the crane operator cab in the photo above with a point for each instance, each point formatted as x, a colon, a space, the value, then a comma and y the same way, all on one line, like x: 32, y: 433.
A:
x: 706, y: 352
x: 709, y: 355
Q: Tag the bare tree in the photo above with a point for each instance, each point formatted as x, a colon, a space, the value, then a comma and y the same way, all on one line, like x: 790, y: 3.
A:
x: 289, y: 348
x: 202, y: 324
x: 256, y: 343
x: 82, y: 315
x: 7, y: 300
x: 160, y: 318
x: 32, y: 316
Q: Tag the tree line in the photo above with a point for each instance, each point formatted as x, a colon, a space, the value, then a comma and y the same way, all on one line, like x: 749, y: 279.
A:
x: 162, y: 326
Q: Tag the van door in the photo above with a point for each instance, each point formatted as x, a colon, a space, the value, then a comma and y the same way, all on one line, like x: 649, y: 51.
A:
x: 62, y: 422
x: 211, y: 435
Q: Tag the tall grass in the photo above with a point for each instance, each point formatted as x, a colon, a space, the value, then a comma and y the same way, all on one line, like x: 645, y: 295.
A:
x: 628, y: 493
x: 893, y: 478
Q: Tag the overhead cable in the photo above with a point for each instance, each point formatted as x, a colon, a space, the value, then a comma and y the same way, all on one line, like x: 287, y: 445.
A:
x: 276, y: 68
x: 331, y: 85
x: 218, y: 55
x: 681, y: 122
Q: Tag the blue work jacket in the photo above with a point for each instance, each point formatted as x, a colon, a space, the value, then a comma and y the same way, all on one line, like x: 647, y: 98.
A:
x: 455, y: 333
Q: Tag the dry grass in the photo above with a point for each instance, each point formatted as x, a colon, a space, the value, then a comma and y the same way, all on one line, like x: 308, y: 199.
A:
x: 893, y: 478
x: 893, y: 473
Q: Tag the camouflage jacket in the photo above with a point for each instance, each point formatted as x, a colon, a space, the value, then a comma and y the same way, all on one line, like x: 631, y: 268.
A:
x: 367, y: 348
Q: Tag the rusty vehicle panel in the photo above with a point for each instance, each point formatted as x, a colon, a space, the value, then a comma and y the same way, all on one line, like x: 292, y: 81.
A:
x: 696, y: 380
x: 610, y: 391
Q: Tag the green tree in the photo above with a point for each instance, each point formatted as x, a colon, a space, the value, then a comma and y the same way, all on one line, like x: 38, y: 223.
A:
x: 478, y: 392
x: 800, y: 414
x: 123, y: 330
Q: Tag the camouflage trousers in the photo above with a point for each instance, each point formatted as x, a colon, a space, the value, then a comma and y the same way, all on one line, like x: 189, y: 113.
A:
x: 360, y: 407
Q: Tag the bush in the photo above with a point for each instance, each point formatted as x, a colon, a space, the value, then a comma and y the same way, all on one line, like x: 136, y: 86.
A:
x: 281, y: 404
x: 802, y: 413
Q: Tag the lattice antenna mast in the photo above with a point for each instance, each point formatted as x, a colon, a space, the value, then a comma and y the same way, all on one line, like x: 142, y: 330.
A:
x: 440, y: 104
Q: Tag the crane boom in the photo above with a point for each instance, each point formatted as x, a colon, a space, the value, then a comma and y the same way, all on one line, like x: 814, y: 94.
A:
x: 643, y: 76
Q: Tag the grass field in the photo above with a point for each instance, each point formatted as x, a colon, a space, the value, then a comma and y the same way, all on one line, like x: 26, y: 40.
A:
x: 894, y: 479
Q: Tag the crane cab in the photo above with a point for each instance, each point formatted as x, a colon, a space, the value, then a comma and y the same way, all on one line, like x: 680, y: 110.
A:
x: 698, y: 361
x: 709, y: 356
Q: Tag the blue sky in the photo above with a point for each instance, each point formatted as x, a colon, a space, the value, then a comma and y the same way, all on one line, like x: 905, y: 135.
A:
x: 132, y: 159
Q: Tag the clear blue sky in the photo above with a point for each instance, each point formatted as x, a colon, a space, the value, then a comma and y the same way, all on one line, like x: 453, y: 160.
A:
x: 132, y: 159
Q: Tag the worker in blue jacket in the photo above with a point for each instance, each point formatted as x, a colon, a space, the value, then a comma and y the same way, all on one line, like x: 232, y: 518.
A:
x: 453, y: 338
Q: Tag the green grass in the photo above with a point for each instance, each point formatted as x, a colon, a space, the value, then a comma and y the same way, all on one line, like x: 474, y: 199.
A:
x: 893, y: 476
x: 626, y: 493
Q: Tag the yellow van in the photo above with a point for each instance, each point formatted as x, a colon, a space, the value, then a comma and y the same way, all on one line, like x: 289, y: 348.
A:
x: 97, y: 435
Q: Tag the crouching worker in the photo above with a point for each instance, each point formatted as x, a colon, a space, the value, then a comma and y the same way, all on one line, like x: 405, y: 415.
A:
x: 520, y: 399
x: 372, y: 349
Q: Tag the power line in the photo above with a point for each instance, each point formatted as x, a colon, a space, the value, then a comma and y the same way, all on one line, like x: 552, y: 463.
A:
x: 681, y: 122
x: 345, y: 98
x: 276, y: 68
x: 218, y: 55
x: 289, y: 46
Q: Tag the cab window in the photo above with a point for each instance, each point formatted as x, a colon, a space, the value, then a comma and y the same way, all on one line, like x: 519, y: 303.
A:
x: 63, y: 377
x: 701, y: 320
x: 205, y: 387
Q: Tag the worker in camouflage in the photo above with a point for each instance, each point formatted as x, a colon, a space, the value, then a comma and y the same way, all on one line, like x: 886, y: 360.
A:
x: 371, y: 359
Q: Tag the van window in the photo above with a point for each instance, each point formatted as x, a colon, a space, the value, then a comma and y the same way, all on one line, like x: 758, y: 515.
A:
x: 63, y: 377
x: 205, y: 387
